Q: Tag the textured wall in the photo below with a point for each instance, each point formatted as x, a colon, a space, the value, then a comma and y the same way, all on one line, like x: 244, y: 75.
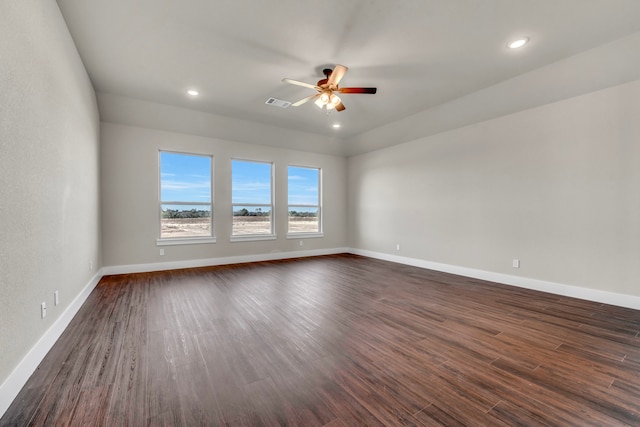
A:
x: 49, y: 171
x: 556, y: 187
x: 130, y: 183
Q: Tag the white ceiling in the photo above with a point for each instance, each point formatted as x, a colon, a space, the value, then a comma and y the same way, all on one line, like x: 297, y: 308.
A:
x: 419, y: 53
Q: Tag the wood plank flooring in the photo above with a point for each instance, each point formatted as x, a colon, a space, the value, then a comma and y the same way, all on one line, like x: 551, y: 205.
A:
x: 334, y: 341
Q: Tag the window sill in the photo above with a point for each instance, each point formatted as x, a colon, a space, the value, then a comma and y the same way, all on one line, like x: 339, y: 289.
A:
x: 185, y: 241
x: 304, y: 235
x: 252, y: 237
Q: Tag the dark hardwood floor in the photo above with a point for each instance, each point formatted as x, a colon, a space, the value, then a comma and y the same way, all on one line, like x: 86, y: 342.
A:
x: 334, y: 341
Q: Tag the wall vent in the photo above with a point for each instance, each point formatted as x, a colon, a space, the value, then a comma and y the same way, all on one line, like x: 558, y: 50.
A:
x: 277, y: 102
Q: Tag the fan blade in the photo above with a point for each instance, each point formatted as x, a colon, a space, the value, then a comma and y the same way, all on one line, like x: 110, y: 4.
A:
x: 371, y: 90
x: 336, y: 75
x: 304, y: 100
x: 340, y: 107
x: 297, y: 83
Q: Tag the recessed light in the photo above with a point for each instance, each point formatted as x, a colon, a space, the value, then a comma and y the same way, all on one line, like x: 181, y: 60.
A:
x: 193, y: 92
x: 336, y: 125
x: 515, y: 44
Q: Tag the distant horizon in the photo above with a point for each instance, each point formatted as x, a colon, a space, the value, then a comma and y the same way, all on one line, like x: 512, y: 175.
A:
x: 187, y: 178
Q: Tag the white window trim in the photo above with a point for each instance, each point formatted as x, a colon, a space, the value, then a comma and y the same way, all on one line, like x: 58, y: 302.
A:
x: 252, y: 237
x: 259, y: 236
x: 195, y: 240
x: 185, y: 241
x: 304, y: 234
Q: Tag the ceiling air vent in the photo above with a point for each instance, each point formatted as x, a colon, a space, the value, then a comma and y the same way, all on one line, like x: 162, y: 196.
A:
x: 277, y: 102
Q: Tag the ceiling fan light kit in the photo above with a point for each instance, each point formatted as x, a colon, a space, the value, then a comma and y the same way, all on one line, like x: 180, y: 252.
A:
x: 326, y: 98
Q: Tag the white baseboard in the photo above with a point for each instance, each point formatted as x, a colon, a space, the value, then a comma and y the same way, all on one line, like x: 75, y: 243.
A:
x: 23, y: 371
x: 621, y: 300
x: 27, y: 366
x: 175, y: 265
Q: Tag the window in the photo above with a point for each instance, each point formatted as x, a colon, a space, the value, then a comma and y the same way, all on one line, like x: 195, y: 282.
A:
x: 252, y: 198
x: 304, y: 200
x: 185, y: 198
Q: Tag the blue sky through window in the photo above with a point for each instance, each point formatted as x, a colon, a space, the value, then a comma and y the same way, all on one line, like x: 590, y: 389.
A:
x: 303, y: 186
x: 185, y: 178
x: 251, y: 182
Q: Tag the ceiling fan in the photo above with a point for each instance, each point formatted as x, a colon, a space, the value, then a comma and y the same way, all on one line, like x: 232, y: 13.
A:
x: 326, y: 87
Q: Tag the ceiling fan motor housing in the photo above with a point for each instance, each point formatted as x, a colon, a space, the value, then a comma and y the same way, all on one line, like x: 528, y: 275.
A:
x: 327, y: 72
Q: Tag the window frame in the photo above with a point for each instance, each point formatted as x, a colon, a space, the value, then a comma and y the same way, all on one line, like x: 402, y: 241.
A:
x: 319, y: 207
x: 186, y: 240
x: 257, y: 236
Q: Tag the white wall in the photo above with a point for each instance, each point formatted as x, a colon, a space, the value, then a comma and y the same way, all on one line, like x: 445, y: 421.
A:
x: 49, y: 192
x: 130, y: 197
x: 557, y: 187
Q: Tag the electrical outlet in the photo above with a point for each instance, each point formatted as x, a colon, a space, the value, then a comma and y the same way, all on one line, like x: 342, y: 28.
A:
x: 43, y: 310
x: 301, y: 243
x: 161, y: 252
x: 397, y: 246
x: 516, y: 263
x: 56, y: 298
